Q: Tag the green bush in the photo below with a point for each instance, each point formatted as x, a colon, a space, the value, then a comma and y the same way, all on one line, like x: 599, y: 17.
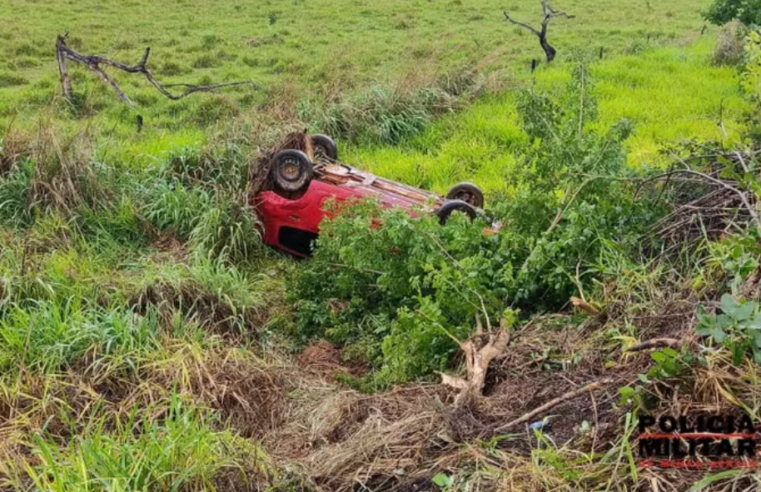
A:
x: 724, y: 11
x: 398, y: 291
x: 752, y: 74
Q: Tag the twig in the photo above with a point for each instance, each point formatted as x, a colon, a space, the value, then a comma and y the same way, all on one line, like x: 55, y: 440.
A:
x: 655, y: 343
x: 552, y: 404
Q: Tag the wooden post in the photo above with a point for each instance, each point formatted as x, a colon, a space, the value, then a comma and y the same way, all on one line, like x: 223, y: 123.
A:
x: 63, y: 70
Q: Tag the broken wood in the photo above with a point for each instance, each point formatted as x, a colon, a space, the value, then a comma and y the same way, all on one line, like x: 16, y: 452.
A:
x: 94, y: 63
x: 585, y: 306
x: 477, y: 359
x: 656, y: 343
x: 549, y: 13
x: 552, y: 404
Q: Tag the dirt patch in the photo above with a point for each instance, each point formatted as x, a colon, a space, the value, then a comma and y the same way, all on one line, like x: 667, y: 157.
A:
x: 320, y: 355
x: 169, y: 248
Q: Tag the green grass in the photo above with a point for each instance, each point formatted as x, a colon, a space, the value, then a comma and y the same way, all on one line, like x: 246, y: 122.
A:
x: 294, y: 49
x: 670, y: 94
x: 184, y: 452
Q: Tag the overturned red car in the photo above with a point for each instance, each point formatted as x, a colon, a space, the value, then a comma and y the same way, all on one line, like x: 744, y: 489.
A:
x: 300, y: 181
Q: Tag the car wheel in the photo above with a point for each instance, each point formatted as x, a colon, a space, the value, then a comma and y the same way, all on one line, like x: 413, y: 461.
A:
x: 468, y: 193
x: 291, y: 170
x: 324, y: 147
x: 452, y: 206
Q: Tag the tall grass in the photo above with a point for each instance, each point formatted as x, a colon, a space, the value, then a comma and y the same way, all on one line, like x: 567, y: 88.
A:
x: 181, y: 451
x: 668, y: 93
x: 49, y: 336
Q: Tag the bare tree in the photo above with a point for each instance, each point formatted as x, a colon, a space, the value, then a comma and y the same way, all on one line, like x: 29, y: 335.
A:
x: 549, y: 14
x: 95, y: 62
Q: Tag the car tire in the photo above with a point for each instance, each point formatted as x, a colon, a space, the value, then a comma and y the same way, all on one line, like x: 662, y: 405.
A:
x: 452, y: 206
x: 468, y: 193
x: 324, y: 147
x: 291, y: 170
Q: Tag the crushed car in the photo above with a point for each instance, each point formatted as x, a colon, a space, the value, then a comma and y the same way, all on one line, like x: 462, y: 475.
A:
x: 304, y: 173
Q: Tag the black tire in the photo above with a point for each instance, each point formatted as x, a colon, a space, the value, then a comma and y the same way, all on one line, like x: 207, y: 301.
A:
x: 452, y: 206
x: 324, y: 147
x: 468, y: 193
x: 291, y: 170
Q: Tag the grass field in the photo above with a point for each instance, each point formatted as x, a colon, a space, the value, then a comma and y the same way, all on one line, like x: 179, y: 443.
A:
x: 671, y: 95
x: 296, y: 51
x: 149, y: 341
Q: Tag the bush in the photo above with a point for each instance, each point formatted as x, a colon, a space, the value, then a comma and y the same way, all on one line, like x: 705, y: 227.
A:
x: 398, y: 291
x: 752, y: 74
x: 746, y: 11
x: 730, y: 44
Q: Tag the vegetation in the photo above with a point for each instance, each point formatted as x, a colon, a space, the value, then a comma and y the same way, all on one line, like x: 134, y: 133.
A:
x: 402, y: 292
x: 746, y: 11
x: 149, y: 341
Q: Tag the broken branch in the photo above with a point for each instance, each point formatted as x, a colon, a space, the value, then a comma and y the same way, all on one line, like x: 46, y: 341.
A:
x: 552, y: 404
x: 585, y: 306
x: 655, y: 343
x: 94, y: 63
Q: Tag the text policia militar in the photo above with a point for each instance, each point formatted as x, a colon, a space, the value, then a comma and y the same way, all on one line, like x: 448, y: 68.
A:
x: 702, y: 441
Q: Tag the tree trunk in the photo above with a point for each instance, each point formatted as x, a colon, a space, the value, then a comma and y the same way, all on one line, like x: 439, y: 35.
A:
x: 547, y: 47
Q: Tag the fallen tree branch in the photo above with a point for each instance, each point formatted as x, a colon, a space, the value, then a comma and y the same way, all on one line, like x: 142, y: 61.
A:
x: 585, y: 306
x: 552, y: 404
x: 655, y: 343
x: 94, y: 63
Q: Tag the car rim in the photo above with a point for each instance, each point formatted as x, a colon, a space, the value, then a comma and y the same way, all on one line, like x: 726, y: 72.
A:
x: 290, y: 170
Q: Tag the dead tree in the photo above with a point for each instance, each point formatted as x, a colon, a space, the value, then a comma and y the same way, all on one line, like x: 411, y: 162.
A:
x: 480, y: 350
x: 95, y: 63
x: 549, y: 14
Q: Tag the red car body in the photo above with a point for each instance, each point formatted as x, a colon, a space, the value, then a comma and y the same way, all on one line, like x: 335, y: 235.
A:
x: 292, y: 223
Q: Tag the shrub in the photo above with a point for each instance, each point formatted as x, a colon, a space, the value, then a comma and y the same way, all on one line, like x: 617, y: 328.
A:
x: 730, y: 44
x: 399, y: 292
x: 724, y: 11
x: 366, y: 287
